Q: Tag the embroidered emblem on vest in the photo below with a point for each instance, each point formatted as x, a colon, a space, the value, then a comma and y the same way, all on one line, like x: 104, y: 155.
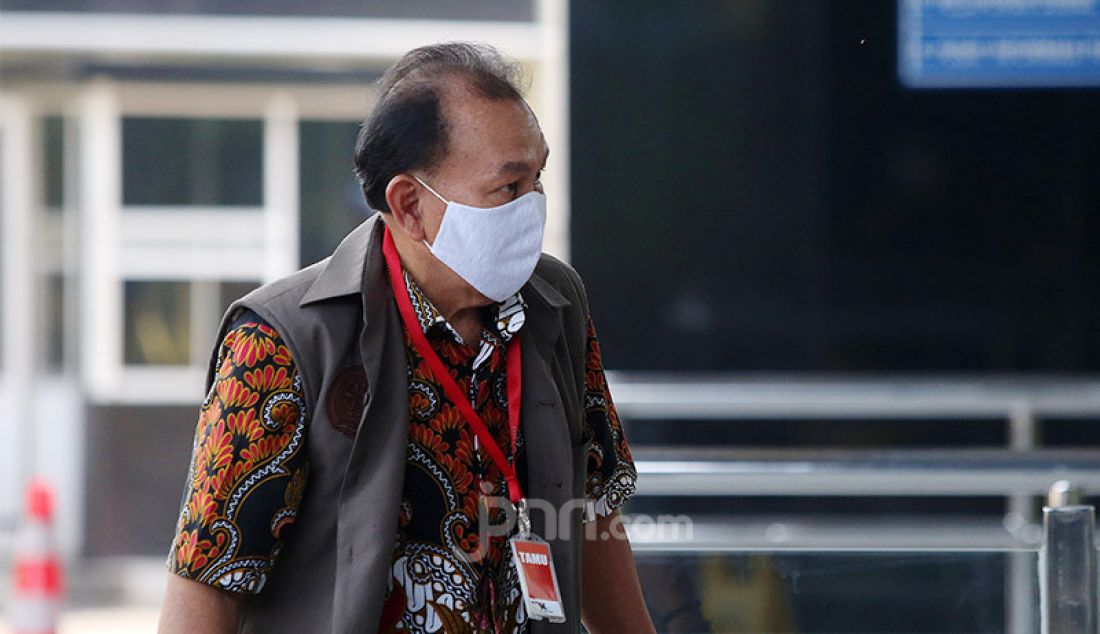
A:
x: 344, y: 403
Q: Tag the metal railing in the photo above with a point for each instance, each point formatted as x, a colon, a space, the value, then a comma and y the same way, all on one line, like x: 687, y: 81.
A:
x: 1020, y: 470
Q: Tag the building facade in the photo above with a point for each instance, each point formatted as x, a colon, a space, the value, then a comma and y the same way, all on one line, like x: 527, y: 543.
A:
x: 160, y: 159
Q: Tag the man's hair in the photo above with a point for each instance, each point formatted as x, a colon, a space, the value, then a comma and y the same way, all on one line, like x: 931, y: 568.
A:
x: 406, y: 130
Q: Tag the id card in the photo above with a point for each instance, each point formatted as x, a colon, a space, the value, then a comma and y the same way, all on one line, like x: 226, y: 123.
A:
x: 537, y: 578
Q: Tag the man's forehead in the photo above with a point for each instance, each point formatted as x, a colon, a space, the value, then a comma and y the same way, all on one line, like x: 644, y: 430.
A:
x: 470, y: 108
x: 502, y: 134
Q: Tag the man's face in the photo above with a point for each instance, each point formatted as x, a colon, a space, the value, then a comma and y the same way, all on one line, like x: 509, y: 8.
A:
x: 496, y: 153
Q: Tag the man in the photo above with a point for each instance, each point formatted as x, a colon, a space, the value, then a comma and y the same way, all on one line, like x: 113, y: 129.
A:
x: 373, y: 421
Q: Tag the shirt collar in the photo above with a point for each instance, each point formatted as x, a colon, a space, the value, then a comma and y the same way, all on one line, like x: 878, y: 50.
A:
x: 509, y: 315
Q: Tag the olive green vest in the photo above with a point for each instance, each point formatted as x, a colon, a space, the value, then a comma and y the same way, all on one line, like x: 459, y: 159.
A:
x: 339, y: 319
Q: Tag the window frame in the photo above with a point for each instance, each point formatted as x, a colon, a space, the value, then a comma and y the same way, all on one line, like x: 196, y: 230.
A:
x: 173, y: 243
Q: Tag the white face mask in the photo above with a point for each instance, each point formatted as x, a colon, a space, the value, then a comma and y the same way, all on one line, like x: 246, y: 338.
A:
x: 495, y: 249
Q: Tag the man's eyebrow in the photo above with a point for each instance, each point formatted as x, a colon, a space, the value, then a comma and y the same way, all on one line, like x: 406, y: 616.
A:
x: 519, y: 167
x: 515, y: 167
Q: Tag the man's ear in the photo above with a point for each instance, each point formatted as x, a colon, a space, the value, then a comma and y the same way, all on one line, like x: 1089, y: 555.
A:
x: 403, y: 199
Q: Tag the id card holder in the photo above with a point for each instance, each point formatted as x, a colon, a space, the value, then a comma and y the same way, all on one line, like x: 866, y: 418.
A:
x: 537, y: 579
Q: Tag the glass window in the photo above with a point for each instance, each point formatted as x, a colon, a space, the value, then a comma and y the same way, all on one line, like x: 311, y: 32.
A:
x: 52, y: 322
x: 834, y: 591
x: 53, y: 162
x: 229, y: 292
x: 157, y: 322
x: 175, y: 322
x: 811, y: 215
x: 205, y: 162
x: 331, y: 200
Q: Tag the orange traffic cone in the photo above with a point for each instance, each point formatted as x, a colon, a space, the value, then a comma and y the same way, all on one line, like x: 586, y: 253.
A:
x: 36, y: 600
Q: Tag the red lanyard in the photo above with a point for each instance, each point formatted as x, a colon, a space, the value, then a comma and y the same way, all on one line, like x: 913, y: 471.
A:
x: 443, y: 376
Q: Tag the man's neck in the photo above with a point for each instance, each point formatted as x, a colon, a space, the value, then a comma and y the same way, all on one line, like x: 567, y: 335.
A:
x: 450, y: 296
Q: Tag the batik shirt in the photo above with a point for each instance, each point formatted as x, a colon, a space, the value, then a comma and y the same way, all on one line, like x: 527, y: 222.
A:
x: 435, y: 584
x: 248, y: 467
x: 444, y: 579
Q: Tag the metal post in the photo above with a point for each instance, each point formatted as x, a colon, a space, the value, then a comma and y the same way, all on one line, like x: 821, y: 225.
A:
x: 1067, y: 564
x: 1023, y: 516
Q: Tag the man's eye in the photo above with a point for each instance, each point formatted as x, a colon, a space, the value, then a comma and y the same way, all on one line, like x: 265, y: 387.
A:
x: 510, y: 189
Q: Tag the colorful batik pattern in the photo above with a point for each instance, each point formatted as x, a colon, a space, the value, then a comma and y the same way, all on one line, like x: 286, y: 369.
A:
x: 442, y: 578
x: 248, y: 468
x: 611, y: 474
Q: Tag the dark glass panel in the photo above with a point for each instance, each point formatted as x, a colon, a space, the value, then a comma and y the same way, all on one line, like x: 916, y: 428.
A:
x: 209, y: 162
x: 331, y: 200
x: 754, y: 190
x: 53, y: 162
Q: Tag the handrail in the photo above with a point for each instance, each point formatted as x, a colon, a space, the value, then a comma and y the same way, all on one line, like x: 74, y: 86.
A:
x: 698, y: 397
x: 779, y: 533
x: 679, y: 471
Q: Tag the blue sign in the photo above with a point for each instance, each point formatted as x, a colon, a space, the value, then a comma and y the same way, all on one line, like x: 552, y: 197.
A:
x: 998, y: 43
